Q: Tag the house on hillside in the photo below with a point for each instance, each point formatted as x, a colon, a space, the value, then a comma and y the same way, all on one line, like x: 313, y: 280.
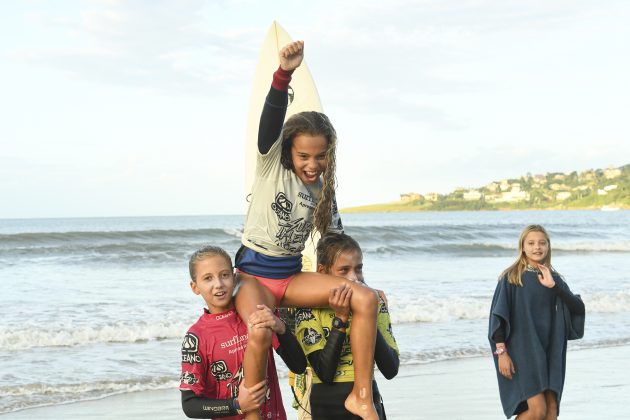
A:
x: 611, y: 173
x: 492, y: 187
x: 412, y: 196
x: 513, y: 196
x: 559, y: 187
x: 472, y: 195
x: 432, y: 196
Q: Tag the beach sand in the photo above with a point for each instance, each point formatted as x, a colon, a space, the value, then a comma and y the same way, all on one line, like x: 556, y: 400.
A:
x: 596, y: 382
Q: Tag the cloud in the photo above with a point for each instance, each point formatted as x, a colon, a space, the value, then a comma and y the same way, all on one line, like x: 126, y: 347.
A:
x: 160, y: 46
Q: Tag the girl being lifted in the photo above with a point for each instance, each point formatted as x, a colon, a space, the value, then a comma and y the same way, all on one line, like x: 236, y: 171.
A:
x: 294, y: 193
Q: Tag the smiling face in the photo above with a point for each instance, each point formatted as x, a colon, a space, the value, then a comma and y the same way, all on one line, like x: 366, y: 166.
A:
x: 535, y: 248
x: 349, y: 265
x: 308, y: 155
x: 214, y: 282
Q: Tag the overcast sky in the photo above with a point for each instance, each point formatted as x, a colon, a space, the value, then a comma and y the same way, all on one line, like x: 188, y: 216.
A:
x: 129, y: 108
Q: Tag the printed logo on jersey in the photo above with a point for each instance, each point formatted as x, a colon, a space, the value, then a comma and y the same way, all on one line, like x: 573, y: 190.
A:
x: 188, y: 378
x: 190, y: 349
x: 282, y: 206
x: 220, y: 371
x: 311, y: 337
x: 233, y: 385
x: 346, y: 353
x: 292, y: 234
x: 391, y: 331
x: 326, y: 332
x: 302, y: 315
x: 383, y: 308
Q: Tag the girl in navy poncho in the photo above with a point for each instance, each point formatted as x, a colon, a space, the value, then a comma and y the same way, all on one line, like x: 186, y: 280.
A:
x: 528, y: 330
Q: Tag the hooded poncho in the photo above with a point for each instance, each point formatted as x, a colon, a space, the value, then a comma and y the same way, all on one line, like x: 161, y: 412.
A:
x: 533, y: 322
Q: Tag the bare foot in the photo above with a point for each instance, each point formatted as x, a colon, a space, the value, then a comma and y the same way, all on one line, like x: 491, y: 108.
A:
x: 362, y: 408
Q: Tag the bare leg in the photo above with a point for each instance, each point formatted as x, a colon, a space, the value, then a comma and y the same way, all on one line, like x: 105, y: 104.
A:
x: 250, y: 294
x: 536, y: 408
x: 552, y: 405
x: 311, y: 290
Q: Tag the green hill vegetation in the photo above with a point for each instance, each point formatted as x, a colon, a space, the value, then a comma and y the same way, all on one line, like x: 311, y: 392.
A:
x: 607, y: 189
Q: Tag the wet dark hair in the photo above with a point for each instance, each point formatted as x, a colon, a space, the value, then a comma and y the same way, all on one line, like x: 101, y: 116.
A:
x: 202, y: 254
x: 331, y: 245
x: 314, y: 124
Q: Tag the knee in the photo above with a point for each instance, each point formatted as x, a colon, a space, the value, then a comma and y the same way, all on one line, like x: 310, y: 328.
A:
x: 364, y: 298
x: 537, y: 412
x: 259, y: 337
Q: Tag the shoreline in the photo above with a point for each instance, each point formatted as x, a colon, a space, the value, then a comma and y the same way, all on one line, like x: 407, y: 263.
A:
x: 466, y: 388
x: 351, y: 210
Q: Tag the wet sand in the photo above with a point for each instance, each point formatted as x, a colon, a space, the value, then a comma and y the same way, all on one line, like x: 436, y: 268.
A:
x: 597, y: 386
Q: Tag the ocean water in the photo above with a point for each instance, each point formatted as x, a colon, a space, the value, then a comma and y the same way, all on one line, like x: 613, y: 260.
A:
x: 98, y: 306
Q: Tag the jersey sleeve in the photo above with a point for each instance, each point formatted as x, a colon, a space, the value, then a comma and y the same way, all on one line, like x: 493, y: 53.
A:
x: 269, y: 165
x: 309, y: 330
x: 384, y: 325
x: 274, y: 110
x: 194, y: 366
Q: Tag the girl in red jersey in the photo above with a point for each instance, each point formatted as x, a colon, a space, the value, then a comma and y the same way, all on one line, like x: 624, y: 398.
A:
x: 212, y: 351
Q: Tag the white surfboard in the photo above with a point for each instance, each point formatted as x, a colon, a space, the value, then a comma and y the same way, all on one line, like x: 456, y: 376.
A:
x: 303, y: 96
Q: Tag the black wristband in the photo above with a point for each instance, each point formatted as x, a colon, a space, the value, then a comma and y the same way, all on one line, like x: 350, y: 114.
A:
x: 236, y: 405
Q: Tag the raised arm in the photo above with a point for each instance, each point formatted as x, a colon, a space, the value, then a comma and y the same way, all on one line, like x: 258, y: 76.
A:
x: 275, y: 108
x: 553, y: 281
x: 573, y: 301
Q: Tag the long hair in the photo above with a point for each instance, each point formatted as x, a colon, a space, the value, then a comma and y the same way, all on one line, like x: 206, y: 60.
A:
x: 203, y: 253
x: 332, y: 245
x: 516, y: 270
x: 314, y: 124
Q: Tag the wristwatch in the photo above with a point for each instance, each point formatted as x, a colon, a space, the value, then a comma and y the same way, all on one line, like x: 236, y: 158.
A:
x: 499, y: 351
x: 338, y: 324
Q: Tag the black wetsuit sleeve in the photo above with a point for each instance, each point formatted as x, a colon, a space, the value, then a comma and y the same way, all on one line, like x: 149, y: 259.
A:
x: 574, y: 303
x: 274, y: 111
x: 196, y: 407
x: 385, y: 357
x: 291, y: 352
x: 325, y: 361
x: 499, y: 334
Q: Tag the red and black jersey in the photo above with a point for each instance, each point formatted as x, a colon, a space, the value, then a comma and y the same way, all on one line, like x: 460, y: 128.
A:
x: 212, y: 363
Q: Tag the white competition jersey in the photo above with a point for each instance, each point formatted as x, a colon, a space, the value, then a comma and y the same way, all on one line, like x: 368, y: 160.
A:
x: 280, y: 215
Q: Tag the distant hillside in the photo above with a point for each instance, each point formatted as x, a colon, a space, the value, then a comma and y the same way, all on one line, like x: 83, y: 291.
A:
x: 607, y: 189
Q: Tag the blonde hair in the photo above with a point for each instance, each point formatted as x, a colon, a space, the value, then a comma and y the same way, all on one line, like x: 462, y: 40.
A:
x: 203, y: 253
x: 515, y: 271
x: 315, y: 124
